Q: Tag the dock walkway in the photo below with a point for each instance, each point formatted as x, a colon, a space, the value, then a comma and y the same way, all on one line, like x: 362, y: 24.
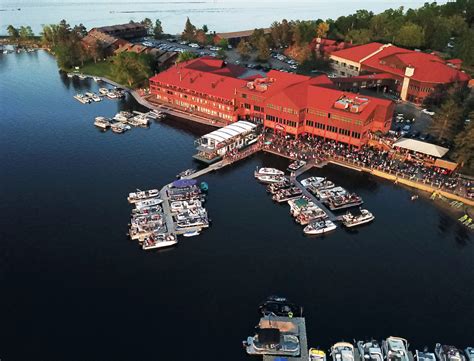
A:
x: 167, y: 211
x: 300, y: 323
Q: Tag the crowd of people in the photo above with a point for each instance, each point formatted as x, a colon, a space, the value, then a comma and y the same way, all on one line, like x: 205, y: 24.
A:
x: 401, y: 165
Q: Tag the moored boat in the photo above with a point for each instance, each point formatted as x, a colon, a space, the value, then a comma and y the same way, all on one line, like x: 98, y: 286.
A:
x: 297, y: 164
x: 102, y: 122
x: 159, y: 241
x: 270, y: 178
x: 395, y: 349
x: 142, y: 195
x: 267, y: 171
x: 425, y: 356
x: 96, y: 98
x: 103, y: 91
x: 449, y: 353
x: 352, y: 219
x: 285, y: 195
x: 470, y: 353
x: 320, y: 227
x: 370, y: 351
x: 316, y: 355
x: 342, y: 351
x: 186, y: 173
x: 279, y: 306
x: 119, y: 127
x: 271, y: 341
x: 343, y: 201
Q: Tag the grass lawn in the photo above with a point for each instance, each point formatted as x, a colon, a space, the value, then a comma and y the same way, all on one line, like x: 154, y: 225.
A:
x: 102, y: 68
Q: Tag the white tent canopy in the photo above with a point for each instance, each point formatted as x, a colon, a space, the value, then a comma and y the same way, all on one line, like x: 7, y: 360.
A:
x: 421, y: 147
x: 228, y: 132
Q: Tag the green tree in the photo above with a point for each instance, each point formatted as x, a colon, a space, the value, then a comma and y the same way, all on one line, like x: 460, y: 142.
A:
x: 322, y: 30
x: 148, y: 24
x: 410, y: 35
x: 12, y: 32
x: 131, y: 68
x: 263, y: 53
x: 185, y: 56
x: 189, y: 32
x: 158, y: 29
x: 464, y: 146
x: 25, y: 33
x: 205, y: 28
x: 244, y: 49
x: 96, y: 51
x: 221, y: 54
x: 447, y: 119
x: 464, y: 47
x: 80, y: 30
x: 438, y: 33
x: 359, y: 36
x: 255, y: 37
x: 223, y: 43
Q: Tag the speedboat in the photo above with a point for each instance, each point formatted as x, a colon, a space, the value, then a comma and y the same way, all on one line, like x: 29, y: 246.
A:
x: 96, y: 78
x: 320, y: 227
x: 370, y: 351
x: 343, y: 201
x: 278, y: 306
x: 271, y: 341
x: 311, y: 181
x: 470, y: 353
x: 425, y: 356
x: 142, y: 195
x: 160, y: 241
x: 103, y: 91
x: 102, y: 122
x: 123, y: 116
x: 448, y: 353
x: 316, y: 355
x: 267, y: 171
x: 82, y: 76
x: 179, y: 206
x: 275, y: 187
x: 352, y: 220
x: 323, y: 194
x: 70, y: 75
x: 285, y: 195
x: 191, y: 234
x: 342, y: 351
x: 111, y: 95
x: 186, y: 173
x: 395, y: 349
x: 139, y: 119
x: 270, y: 178
x: 155, y: 115
x: 148, y: 203
x: 96, y: 98
x: 297, y: 164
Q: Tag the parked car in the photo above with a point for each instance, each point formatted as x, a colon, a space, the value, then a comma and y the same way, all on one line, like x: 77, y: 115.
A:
x: 214, y: 48
x: 429, y: 112
x: 293, y: 67
x: 194, y: 45
x: 406, y: 128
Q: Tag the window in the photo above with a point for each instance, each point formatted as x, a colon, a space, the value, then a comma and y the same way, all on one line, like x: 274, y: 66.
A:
x: 247, y: 106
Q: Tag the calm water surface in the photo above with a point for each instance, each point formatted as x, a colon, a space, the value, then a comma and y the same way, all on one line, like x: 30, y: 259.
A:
x: 219, y: 15
x: 75, y: 288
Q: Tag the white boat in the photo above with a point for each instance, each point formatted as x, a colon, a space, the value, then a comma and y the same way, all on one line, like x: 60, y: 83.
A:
x: 370, y: 351
x: 148, y: 203
x: 316, y: 355
x: 96, y: 98
x: 96, y: 78
x: 179, y: 206
x: 333, y: 192
x: 319, y: 227
x: 352, y: 220
x: 120, y: 127
x: 155, y: 115
x: 396, y: 349
x: 153, y: 242
x: 139, y: 119
x: 111, y: 95
x: 142, y: 195
x: 267, y: 171
x: 103, y: 91
x: 470, y: 353
x: 70, y: 75
x: 191, y: 234
x: 82, y: 76
x: 90, y: 94
x: 311, y: 181
x: 270, y: 178
x: 425, y: 356
x: 342, y: 351
x: 449, y: 353
x: 123, y: 116
x: 102, y: 122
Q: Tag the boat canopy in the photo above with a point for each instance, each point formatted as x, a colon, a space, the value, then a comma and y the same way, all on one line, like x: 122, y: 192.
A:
x: 269, y: 336
x: 228, y: 132
x: 183, y: 183
x: 301, y: 202
x: 421, y: 147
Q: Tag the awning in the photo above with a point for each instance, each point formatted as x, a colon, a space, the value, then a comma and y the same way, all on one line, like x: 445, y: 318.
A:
x: 421, y: 147
x: 445, y: 164
x: 183, y: 183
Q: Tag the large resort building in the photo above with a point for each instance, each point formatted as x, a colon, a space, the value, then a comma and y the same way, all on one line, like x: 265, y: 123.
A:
x: 412, y: 75
x: 289, y: 104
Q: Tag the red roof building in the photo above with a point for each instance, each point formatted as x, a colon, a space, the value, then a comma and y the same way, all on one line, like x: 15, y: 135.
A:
x: 287, y: 103
x: 415, y: 74
x: 326, y: 47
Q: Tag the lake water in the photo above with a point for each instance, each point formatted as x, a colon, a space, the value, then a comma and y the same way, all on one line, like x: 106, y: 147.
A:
x: 73, y: 287
x: 219, y: 15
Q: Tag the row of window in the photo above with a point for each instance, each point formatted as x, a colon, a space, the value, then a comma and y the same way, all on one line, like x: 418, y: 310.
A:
x: 290, y: 123
x: 331, y: 128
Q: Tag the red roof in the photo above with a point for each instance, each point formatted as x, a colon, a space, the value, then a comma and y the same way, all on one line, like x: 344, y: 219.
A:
x: 204, y: 75
x: 429, y: 68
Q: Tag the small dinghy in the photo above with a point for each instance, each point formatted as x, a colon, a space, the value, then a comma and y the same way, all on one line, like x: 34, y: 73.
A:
x: 191, y: 234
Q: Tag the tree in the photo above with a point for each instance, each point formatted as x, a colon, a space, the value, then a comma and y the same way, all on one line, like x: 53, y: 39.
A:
x: 96, y: 51
x: 25, y: 33
x: 446, y: 121
x: 286, y: 33
x: 189, y: 32
x: 201, y: 37
x: 438, y: 33
x: 275, y: 33
x: 263, y: 50
x: 185, y: 56
x: 322, y: 30
x: 148, y: 24
x: 221, y: 54
x: 359, y: 36
x: 464, y: 146
x: 410, y: 35
x: 205, y: 28
x: 158, y: 29
x: 131, y: 68
x: 244, y: 49
x: 12, y: 32
x: 223, y: 43
x: 80, y: 30
x: 255, y: 37
x: 464, y: 47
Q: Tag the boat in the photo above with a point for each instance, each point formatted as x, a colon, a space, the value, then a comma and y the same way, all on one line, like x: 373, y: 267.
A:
x: 310, y: 215
x: 102, y: 122
x: 120, y: 127
x: 343, y: 201
x: 111, y: 95
x: 123, y: 116
x: 204, y: 186
x: 180, y: 206
x: 270, y: 178
x: 96, y: 98
x: 323, y: 194
x: 321, y: 227
x: 285, y: 195
x: 395, y: 349
x: 103, y: 91
x: 311, y: 181
x: 155, y: 115
x: 271, y: 341
x: 192, y: 222
x: 297, y: 164
x: 316, y: 355
x: 70, y: 75
x: 279, y: 306
x: 470, y: 353
x: 275, y: 187
x: 425, y: 356
x: 147, y: 203
x: 370, y: 351
x: 82, y: 98
x: 160, y: 241
x: 89, y: 94
x: 191, y: 234
x: 449, y: 353
x: 268, y: 171
x: 96, y: 78
x: 82, y: 76
x: 142, y: 195
x: 351, y: 220
x: 321, y: 186
x: 342, y: 351
x: 185, y: 173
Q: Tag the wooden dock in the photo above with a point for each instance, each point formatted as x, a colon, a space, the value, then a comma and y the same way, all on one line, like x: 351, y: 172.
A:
x: 300, y: 324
